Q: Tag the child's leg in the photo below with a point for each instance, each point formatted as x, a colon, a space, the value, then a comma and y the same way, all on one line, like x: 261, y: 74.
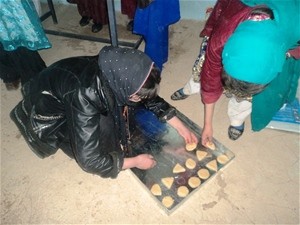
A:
x: 238, y: 111
x: 191, y: 87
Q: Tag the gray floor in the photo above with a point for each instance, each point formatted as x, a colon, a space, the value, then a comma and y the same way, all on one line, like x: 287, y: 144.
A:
x: 259, y: 186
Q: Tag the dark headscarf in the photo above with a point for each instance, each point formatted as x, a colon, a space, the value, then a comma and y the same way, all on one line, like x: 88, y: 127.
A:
x: 126, y: 70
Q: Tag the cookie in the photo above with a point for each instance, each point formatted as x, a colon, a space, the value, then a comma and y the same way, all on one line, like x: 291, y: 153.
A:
x: 201, y: 154
x: 194, y: 182
x: 203, y: 173
x: 156, y: 190
x: 210, y: 145
x: 222, y: 159
x: 190, y: 146
x: 178, y: 168
x: 167, y: 181
x: 167, y: 201
x: 190, y: 163
x: 212, y: 165
x: 182, y: 191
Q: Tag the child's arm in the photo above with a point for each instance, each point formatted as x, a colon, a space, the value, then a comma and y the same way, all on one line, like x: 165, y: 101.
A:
x: 207, y: 133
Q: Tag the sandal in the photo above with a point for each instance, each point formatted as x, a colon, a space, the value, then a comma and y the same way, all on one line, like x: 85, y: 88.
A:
x: 179, y: 95
x: 234, y: 133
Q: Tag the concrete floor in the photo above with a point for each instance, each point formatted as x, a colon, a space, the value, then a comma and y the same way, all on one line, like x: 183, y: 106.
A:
x: 260, y: 185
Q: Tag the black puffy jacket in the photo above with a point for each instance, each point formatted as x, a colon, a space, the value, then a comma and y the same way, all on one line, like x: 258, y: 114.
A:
x: 69, y: 106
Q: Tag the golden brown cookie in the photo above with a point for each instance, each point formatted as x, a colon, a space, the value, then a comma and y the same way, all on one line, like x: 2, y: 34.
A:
x: 190, y: 146
x: 167, y: 201
x: 210, y: 145
x: 203, y: 173
x: 190, y: 163
x: 182, y: 191
x: 222, y: 159
x: 178, y: 168
x: 194, y: 182
x: 167, y: 181
x: 201, y: 154
x: 212, y: 165
x: 156, y: 190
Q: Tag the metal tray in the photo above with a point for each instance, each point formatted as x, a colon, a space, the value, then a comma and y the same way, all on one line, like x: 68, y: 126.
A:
x: 168, y: 148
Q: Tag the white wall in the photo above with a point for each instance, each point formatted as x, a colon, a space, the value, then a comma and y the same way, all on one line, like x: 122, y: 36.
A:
x: 189, y: 9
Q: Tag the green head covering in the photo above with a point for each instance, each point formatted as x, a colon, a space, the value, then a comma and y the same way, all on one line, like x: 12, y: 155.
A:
x: 254, y: 52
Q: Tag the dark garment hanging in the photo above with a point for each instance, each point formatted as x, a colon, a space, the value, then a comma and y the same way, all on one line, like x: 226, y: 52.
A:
x: 128, y: 8
x: 93, y: 9
x: 20, y: 64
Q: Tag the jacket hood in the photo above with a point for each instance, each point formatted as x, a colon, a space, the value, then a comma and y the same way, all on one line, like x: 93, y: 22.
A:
x: 125, y: 69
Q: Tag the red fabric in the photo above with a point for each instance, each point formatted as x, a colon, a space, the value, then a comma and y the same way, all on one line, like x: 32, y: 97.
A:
x: 295, y: 53
x: 226, y: 16
x: 94, y: 9
x: 128, y: 8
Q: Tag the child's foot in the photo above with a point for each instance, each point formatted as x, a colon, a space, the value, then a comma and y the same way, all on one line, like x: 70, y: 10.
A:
x: 234, y: 132
x: 179, y: 95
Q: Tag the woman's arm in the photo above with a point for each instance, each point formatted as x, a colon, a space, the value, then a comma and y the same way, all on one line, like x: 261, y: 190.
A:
x: 93, y: 138
x: 167, y: 113
x: 185, y: 132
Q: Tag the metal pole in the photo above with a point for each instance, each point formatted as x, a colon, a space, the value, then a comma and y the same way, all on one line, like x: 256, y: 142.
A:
x: 112, y: 23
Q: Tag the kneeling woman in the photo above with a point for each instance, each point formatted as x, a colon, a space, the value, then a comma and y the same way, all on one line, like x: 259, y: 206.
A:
x: 77, y: 103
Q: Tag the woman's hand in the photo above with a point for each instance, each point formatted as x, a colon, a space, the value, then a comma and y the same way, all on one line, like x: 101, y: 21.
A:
x: 145, y: 161
x: 185, y: 132
x: 142, y: 161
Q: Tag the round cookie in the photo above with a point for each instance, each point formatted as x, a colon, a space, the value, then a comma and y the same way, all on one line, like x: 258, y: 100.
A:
x: 222, y: 159
x: 194, y: 182
x: 190, y: 163
x: 182, y: 191
x: 190, y: 146
x: 167, y: 201
x: 203, y: 173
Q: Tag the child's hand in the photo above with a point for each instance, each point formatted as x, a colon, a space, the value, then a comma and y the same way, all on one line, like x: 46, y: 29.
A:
x: 207, y: 135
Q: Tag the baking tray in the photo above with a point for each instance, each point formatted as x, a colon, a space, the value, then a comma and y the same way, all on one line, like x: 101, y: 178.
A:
x: 149, y: 135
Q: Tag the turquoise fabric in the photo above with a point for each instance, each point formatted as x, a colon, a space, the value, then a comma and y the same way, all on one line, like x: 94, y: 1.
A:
x: 281, y: 90
x: 286, y: 17
x: 21, y: 26
x: 255, y: 52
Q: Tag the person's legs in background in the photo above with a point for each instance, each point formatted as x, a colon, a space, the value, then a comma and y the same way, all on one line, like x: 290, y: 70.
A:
x: 99, y: 14
x: 128, y: 8
x: 83, y: 10
x: 95, y: 10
